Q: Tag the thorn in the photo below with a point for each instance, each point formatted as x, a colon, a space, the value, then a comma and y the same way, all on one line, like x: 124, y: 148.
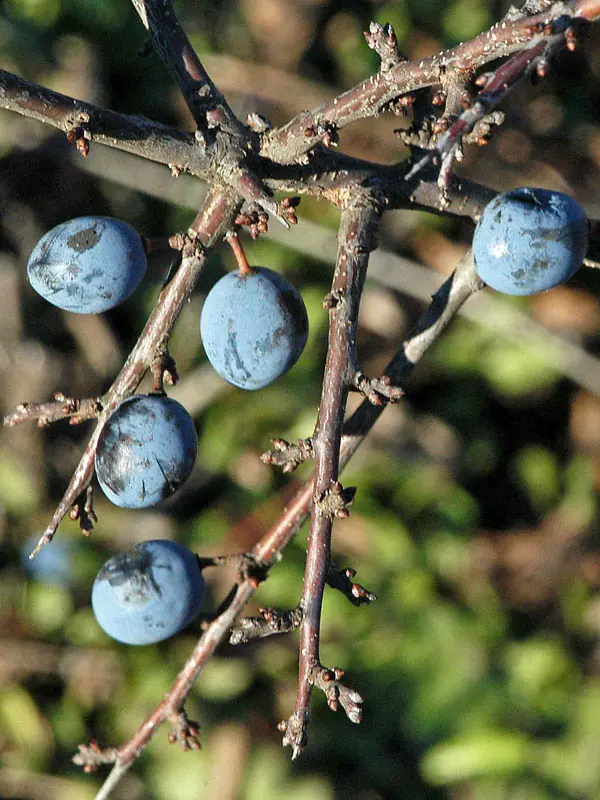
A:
x: 571, y: 38
x: 542, y: 68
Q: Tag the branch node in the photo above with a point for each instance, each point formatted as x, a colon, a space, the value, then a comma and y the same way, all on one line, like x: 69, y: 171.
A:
x: 342, y: 580
x: 258, y: 123
x: 323, y: 130
x: 382, y: 39
x: 255, y: 219
x: 328, y: 680
x: 184, y: 731
x: 83, y: 510
x: 333, y: 299
x: 484, y: 129
x: 271, y: 622
x: 288, y: 455
x: 335, y: 501
x: 164, y: 370
x: 249, y: 567
x: 62, y: 407
x: 80, y: 137
x: 91, y: 756
x: 294, y: 733
x: 378, y: 391
x: 188, y: 244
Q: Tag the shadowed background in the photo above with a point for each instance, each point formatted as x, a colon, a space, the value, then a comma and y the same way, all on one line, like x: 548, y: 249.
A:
x: 475, y: 521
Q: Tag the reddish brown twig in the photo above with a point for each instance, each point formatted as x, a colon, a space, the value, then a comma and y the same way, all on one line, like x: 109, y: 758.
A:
x: 293, y: 140
x: 356, y: 240
x: 446, y: 303
x: 497, y: 86
x: 220, y: 134
x: 344, y: 182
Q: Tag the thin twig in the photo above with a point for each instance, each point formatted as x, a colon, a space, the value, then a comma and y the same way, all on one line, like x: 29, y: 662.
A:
x: 293, y: 140
x: 61, y: 407
x: 330, y: 175
x: 446, y: 303
x: 220, y: 133
x: 356, y: 241
x: 133, y: 134
x: 498, y: 85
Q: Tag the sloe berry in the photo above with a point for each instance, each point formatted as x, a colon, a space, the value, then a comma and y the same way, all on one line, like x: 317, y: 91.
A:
x: 529, y: 240
x: 254, y: 327
x: 87, y: 265
x: 146, y: 450
x: 148, y: 593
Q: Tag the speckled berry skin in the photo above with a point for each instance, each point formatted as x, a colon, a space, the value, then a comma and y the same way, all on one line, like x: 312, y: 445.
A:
x: 87, y: 265
x: 254, y: 327
x: 146, y: 450
x: 529, y: 240
x: 148, y: 593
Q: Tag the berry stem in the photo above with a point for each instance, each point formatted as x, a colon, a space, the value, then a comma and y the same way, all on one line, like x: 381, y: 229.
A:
x: 233, y: 240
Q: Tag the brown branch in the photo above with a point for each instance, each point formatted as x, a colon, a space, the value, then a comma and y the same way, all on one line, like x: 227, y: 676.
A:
x: 288, y: 144
x: 356, y: 241
x: 369, y: 98
x: 446, y: 303
x: 497, y: 86
x: 134, y: 134
x: 224, y: 138
x: 329, y: 175
x: 61, y: 407
x: 331, y: 449
x: 170, y: 42
x: 266, y: 552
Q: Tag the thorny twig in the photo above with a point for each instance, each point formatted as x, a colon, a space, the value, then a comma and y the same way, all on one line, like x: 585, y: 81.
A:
x: 220, y: 134
x: 248, y: 163
x: 292, y: 141
x: 496, y: 87
x: 61, y: 407
x: 356, y: 240
x: 444, y: 306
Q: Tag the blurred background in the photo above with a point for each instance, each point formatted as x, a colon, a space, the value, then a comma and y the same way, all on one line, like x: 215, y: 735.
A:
x: 476, y: 517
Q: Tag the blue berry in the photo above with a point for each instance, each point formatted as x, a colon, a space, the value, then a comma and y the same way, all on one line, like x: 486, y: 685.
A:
x: 54, y: 562
x: 254, y: 327
x: 529, y: 240
x: 87, y: 265
x: 148, y: 593
x: 146, y: 450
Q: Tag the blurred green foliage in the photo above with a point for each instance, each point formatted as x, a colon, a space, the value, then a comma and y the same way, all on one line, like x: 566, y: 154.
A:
x: 475, y: 518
